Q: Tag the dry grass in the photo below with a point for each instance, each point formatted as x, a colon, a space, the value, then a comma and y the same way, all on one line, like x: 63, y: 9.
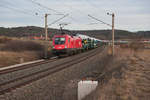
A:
x: 144, y: 54
x: 11, y: 51
x: 19, y: 46
x: 10, y: 58
x: 4, y: 39
x: 134, y: 81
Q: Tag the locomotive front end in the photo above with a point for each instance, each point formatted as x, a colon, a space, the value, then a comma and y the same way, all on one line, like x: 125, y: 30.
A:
x: 59, y: 45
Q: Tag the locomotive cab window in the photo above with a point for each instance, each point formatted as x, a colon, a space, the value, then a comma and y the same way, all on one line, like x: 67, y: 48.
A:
x: 59, y: 40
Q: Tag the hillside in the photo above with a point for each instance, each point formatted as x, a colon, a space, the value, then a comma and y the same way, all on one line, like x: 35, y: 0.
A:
x: 101, y: 34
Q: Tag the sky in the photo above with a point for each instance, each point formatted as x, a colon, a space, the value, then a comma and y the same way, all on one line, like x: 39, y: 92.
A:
x: 131, y: 15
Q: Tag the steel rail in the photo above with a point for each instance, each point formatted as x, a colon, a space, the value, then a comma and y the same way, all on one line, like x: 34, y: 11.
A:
x: 13, y: 69
x: 36, y: 76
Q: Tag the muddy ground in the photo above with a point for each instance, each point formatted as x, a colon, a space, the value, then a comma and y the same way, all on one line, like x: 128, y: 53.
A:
x: 130, y: 81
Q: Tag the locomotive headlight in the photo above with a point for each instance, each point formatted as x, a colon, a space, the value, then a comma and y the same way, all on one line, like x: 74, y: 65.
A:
x: 65, y: 46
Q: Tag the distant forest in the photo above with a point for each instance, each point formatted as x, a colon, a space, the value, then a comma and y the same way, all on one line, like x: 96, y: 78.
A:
x: 101, y: 34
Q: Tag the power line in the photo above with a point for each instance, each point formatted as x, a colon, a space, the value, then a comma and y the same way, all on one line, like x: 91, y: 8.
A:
x: 99, y: 20
x: 12, y: 7
x: 59, y: 19
x: 95, y: 6
x: 21, y: 11
x: 71, y: 8
x: 91, y: 4
x: 43, y: 6
x: 72, y: 18
x: 16, y: 10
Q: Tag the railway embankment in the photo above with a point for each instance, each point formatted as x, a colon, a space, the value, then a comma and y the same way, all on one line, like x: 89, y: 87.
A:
x: 61, y: 85
x: 130, y: 80
x: 124, y: 76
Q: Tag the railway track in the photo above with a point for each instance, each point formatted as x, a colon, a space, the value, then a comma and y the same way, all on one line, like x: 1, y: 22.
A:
x: 12, y: 84
x: 13, y: 69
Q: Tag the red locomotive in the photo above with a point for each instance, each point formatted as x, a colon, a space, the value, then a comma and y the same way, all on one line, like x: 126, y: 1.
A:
x: 66, y: 44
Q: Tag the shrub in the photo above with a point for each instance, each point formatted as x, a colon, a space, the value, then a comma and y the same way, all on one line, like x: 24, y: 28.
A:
x: 18, y: 46
x: 136, y: 45
x: 4, y: 39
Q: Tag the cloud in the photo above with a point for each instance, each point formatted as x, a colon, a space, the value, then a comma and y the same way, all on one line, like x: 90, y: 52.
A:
x: 130, y: 14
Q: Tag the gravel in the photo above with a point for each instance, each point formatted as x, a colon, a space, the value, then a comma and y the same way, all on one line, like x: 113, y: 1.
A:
x: 61, y: 85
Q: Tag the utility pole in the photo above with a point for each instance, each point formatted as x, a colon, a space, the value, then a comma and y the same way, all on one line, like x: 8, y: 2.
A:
x: 46, y: 31
x: 113, y: 50
x: 113, y: 32
x: 113, y: 18
x: 46, y: 36
x: 46, y: 26
x: 108, y: 25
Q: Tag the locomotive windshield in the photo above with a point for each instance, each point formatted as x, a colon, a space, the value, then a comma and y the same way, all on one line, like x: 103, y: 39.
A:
x: 59, y: 40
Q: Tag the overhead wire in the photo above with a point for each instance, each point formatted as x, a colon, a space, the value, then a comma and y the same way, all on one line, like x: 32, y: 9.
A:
x: 58, y: 19
x: 58, y: 12
x: 81, y: 12
x: 94, y: 6
x: 100, y: 20
x: 43, y: 6
x: 91, y: 4
x: 10, y: 4
x: 12, y: 7
x: 16, y: 10
x: 72, y: 9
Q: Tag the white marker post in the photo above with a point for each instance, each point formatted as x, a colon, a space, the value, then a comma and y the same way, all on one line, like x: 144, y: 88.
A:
x: 86, y: 87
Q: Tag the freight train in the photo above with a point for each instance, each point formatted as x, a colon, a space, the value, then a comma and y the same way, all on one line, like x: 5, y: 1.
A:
x: 68, y: 44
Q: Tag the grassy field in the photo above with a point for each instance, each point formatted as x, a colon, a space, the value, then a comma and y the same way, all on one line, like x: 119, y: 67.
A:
x: 10, y: 58
x: 12, y: 50
x: 131, y: 81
